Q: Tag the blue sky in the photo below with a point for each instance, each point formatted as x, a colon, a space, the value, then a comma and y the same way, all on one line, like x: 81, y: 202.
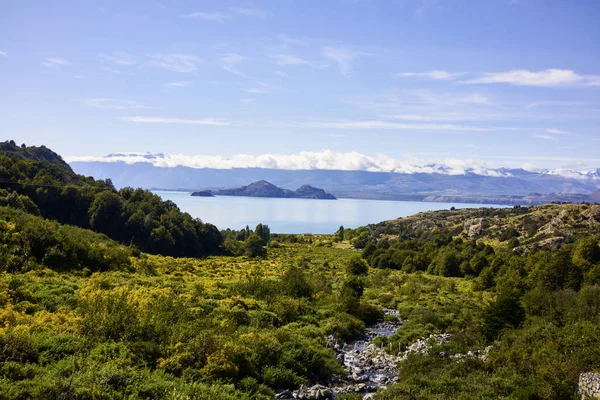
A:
x: 498, y: 81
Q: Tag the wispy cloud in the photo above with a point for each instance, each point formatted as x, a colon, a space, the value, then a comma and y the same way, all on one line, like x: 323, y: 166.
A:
x: 558, y: 132
x: 3, y: 53
x: 546, y: 78
x: 157, y: 120
x: 54, y: 62
x: 179, y: 84
x: 289, y: 59
x: 215, y: 16
x: 424, y: 6
x: 282, y: 74
x: 248, y: 100
x: 258, y: 90
x: 262, y: 88
x: 438, y: 75
x: 292, y: 41
x: 559, y: 103
x: 176, y: 62
x: 343, y: 57
x: 112, y: 70
x: 114, y: 104
x: 229, y: 63
x: 384, y: 124
x: 432, y: 117
x: 249, y: 12
x: 543, y: 137
x: 119, y: 58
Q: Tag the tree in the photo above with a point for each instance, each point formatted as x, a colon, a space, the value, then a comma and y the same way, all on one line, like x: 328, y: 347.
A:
x: 357, y: 266
x: 446, y: 263
x: 350, y: 293
x: 105, y: 214
x: 586, y: 253
x: 505, y: 312
x: 295, y: 284
x: 340, y: 234
x: 263, y: 232
x: 254, y: 246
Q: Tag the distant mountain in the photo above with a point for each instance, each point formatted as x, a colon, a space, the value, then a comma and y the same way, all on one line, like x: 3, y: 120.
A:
x: 266, y: 189
x: 500, y: 186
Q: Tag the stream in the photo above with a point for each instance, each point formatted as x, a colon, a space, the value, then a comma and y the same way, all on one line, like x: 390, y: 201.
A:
x: 368, y: 367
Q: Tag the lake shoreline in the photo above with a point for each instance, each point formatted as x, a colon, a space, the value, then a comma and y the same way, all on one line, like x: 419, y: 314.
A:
x: 299, y: 216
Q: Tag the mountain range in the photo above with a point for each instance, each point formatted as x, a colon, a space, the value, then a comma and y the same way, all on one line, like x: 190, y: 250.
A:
x: 441, y: 183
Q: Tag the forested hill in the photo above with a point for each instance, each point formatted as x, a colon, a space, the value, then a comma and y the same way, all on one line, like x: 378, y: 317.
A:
x: 477, y: 242
x: 38, y: 181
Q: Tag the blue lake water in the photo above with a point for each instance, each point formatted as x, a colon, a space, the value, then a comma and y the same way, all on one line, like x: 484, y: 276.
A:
x: 298, y: 215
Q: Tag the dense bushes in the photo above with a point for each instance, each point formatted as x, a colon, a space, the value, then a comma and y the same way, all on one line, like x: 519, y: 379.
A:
x: 27, y: 242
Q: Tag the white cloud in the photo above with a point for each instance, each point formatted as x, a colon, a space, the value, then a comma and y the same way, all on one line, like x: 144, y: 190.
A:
x: 382, y: 124
x: 438, y: 75
x: 119, y: 58
x: 323, y: 160
x: 544, y: 137
x: 248, y: 100
x: 216, y: 16
x: 428, y: 117
x: 3, y: 53
x: 282, y: 74
x: 176, y: 62
x: 249, y: 12
x: 261, y: 89
x: 112, y: 70
x: 179, y: 84
x: 54, y: 62
x: 343, y: 58
x: 558, y: 132
x: 114, y: 104
x: 229, y: 63
x: 289, y: 59
x: 546, y: 78
x: 258, y: 90
x: 558, y: 103
x: 424, y: 6
x: 291, y: 41
x: 157, y: 120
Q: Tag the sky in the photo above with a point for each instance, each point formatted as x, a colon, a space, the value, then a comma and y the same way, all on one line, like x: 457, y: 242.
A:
x: 511, y: 83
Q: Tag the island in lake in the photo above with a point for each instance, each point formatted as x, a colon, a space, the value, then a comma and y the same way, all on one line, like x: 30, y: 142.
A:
x: 203, y: 193
x: 267, y: 189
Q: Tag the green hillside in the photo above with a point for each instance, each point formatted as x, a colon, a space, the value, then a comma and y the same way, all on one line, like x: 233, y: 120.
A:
x: 49, y: 187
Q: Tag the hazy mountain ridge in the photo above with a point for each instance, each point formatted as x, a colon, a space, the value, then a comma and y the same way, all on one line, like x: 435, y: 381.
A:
x: 530, y: 187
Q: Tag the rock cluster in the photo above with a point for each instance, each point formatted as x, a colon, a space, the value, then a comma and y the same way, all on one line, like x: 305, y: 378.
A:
x: 474, y: 227
x: 589, y: 385
x: 316, y: 392
x: 423, y: 345
x: 481, y: 354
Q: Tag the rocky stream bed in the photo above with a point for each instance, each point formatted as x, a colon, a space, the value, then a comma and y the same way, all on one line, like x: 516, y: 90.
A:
x: 368, y: 366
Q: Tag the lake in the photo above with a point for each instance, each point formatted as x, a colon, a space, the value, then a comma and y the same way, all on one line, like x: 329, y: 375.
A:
x: 298, y: 215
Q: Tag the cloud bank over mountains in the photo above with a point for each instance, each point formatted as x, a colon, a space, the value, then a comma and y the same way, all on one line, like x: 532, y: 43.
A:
x: 326, y: 160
